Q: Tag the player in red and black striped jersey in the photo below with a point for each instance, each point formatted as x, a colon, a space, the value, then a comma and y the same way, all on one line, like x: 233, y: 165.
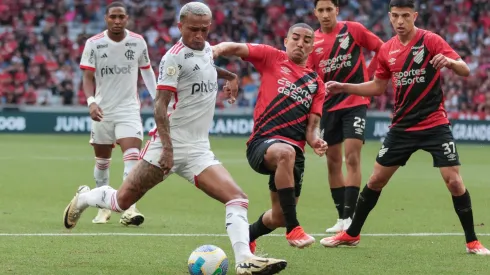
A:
x: 286, y: 117
x: 412, y: 60
x: 338, y: 56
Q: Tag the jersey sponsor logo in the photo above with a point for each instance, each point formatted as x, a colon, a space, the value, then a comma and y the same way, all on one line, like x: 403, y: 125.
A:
x: 318, y: 42
x: 114, y: 70
x: 145, y: 56
x: 410, y: 77
x: 204, y: 87
x: 336, y: 63
x: 188, y: 55
x: 91, y: 59
x: 393, y: 52
x: 130, y: 44
x: 295, y: 92
x: 102, y: 46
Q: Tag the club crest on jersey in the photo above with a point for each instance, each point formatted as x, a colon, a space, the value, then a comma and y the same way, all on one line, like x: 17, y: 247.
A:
x: 171, y: 71
x: 419, y: 56
x: 344, y: 42
x: 129, y: 55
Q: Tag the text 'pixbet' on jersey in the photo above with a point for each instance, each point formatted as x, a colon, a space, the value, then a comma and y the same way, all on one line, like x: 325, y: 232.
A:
x: 209, y: 87
x: 295, y: 92
x: 116, y: 70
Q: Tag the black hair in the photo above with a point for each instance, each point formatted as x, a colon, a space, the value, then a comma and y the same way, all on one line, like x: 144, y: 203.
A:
x: 334, y: 2
x: 300, y: 25
x: 115, y: 4
x: 402, y: 4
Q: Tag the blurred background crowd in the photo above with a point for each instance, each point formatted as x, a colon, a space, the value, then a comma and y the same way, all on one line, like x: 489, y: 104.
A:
x: 41, y: 42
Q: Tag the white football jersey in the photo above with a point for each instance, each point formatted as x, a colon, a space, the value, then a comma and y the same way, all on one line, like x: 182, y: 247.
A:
x: 116, y: 71
x: 191, y: 75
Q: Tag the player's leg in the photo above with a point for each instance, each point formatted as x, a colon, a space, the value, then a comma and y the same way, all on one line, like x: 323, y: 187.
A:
x: 287, y: 162
x: 395, y: 152
x: 443, y: 149
x: 129, y: 134
x: 274, y: 217
x: 332, y: 133
x: 354, y: 123
x: 142, y: 178
x: 102, y: 139
x: 212, y: 178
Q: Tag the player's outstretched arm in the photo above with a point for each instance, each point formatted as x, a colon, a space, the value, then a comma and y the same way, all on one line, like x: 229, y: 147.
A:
x: 313, y: 135
x: 374, y: 87
x: 150, y: 80
x: 231, y: 48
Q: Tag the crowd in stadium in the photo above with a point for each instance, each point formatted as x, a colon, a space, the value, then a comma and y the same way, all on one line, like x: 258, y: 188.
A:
x: 41, y: 42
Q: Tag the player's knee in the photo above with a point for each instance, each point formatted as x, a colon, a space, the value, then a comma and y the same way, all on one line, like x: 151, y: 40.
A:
x: 377, y: 181
x: 352, y: 160
x: 285, y: 155
x: 334, y: 162
x: 454, y: 184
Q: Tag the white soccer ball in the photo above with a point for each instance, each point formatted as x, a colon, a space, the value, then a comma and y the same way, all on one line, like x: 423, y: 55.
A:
x: 208, y: 260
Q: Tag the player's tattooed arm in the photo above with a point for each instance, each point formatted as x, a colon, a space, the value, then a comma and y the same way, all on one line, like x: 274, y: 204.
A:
x: 230, y: 48
x: 225, y: 74
x: 458, y: 66
x: 162, y: 122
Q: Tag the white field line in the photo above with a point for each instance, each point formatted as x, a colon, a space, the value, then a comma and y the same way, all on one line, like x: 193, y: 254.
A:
x: 217, y: 235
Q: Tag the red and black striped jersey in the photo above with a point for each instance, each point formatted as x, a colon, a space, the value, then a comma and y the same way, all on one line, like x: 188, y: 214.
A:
x: 416, y: 83
x: 338, y: 56
x: 288, y: 94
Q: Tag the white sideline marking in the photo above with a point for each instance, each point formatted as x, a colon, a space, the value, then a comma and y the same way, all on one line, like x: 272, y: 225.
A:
x: 217, y: 235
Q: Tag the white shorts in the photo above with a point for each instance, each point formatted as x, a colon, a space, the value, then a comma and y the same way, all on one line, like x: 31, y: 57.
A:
x: 189, y: 159
x: 108, y: 132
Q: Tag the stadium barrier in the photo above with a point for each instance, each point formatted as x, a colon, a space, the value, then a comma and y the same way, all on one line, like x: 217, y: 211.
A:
x: 469, y: 131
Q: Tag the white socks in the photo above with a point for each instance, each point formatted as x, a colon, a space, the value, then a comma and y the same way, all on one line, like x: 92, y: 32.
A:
x: 238, y: 228
x: 101, y: 197
x: 130, y: 158
x: 101, y: 171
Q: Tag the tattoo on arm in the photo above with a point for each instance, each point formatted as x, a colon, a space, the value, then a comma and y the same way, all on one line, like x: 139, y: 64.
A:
x: 313, y: 130
x: 225, y: 74
x: 162, y: 100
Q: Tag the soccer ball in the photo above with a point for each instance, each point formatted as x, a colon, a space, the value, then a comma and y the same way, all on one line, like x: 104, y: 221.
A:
x: 208, y: 260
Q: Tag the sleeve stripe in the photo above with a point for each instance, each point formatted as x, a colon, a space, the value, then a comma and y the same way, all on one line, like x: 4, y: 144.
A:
x: 83, y: 67
x: 145, y: 67
x: 166, y: 87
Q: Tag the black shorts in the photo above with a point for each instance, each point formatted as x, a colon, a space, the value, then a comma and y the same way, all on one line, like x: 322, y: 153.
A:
x: 336, y: 126
x: 256, y: 151
x: 438, y: 141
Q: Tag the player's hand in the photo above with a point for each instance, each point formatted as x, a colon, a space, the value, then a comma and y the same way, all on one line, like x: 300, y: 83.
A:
x: 440, y: 61
x: 320, y: 147
x: 166, y: 160
x: 96, y: 112
x: 333, y: 87
x: 231, y: 90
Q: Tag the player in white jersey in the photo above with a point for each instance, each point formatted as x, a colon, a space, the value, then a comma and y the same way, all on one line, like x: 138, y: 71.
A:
x: 110, y: 62
x: 184, y: 109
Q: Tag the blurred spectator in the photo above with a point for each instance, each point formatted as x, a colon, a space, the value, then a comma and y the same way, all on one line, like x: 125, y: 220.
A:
x: 41, y: 42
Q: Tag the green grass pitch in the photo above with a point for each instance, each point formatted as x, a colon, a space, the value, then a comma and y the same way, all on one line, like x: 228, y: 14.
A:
x: 39, y: 175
